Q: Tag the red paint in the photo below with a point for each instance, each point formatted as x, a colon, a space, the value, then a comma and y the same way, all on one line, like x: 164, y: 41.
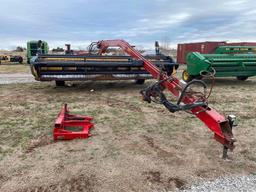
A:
x: 65, y: 120
x: 201, y: 47
x: 211, y: 118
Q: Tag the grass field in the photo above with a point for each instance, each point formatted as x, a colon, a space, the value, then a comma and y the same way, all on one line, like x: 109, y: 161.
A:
x: 7, y: 68
x: 14, y: 68
x: 135, y: 146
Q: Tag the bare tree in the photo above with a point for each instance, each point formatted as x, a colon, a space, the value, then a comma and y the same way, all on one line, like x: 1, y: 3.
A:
x: 58, y: 49
x: 165, y: 43
x: 20, y: 49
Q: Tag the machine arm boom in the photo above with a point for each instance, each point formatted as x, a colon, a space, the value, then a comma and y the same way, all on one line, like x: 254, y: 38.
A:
x: 221, y: 127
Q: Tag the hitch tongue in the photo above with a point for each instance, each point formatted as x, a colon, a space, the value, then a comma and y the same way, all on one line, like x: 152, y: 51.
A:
x: 225, y: 152
x: 232, y: 120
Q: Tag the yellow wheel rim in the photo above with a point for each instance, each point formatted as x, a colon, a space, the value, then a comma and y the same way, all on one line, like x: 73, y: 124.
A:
x: 185, y: 75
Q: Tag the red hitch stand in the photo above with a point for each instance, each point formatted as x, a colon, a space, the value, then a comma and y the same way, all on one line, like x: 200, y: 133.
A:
x: 66, y: 120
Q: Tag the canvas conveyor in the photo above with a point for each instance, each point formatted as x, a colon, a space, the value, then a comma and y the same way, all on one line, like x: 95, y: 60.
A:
x: 95, y: 67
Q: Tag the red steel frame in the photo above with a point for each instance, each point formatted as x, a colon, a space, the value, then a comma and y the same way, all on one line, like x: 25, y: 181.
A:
x: 211, y: 118
x: 65, y: 120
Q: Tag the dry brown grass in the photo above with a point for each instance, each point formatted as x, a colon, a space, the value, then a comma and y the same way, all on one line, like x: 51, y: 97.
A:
x: 135, y: 146
x: 14, y: 68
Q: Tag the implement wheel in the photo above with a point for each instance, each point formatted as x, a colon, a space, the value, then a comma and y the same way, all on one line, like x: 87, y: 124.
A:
x: 139, y: 81
x: 242, y: 78
x: 186, y: 77
x: 20, y: 60
x: 60, y: 83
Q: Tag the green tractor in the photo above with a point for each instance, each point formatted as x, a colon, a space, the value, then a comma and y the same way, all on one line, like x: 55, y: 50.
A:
x: 36, y: 47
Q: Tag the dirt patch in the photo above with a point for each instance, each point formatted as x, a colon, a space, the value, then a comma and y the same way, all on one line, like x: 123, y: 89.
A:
x: 176, y: 182
x: 123, y: 104
x: 160, y: 152
x: 153, y: 176
x: 80, y: 183
x: 171, y: 183
x: 38, y: 142
x: 150, y: 141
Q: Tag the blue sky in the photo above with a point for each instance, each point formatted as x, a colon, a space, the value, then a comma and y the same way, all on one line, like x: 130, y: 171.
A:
x: 140, y: 22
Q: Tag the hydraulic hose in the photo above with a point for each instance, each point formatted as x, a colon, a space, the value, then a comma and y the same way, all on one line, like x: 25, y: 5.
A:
x: 187, y: 86
x: 156, y: 91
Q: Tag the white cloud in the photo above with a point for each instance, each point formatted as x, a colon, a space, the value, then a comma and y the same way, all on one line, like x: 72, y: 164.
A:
x: 143, y: 21
x: 153, y: 25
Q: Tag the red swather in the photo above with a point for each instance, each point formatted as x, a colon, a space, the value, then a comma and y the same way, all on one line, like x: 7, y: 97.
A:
x: 66, y: 120
x: 216, y: 122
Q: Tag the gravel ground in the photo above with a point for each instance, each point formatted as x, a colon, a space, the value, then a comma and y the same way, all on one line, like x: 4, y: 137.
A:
x: 16, y: 78
x: 226, y: 184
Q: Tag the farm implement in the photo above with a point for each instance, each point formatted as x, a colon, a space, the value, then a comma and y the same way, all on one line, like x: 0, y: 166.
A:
x: 36, y: 47
x: 214, y: 47
x: 51, y: 67
x: 235, y: 49
x: 219, y: 59
x: 240, y: 66
x: 6, y: 59
x: 188, y: 100
x: 96, y: 66
x: 68, y: 126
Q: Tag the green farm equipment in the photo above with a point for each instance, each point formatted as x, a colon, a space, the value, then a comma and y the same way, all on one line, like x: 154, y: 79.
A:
x: 235, y: 50
x: 7, y: 59
x: 241, y: 66
x: 35, y: 47
x: 214, y: 47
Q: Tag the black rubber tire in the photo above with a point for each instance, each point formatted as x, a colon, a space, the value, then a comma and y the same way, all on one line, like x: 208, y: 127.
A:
x: 168, y: 70
x: 139, y: 81
x: 20, y: 60
x: 186, y: 77
x: 242, y: 78
x: 60, y: 83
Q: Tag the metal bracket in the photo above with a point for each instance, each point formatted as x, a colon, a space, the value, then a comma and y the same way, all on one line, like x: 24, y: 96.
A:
x: 232, y: 122
x: 66, y: 120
